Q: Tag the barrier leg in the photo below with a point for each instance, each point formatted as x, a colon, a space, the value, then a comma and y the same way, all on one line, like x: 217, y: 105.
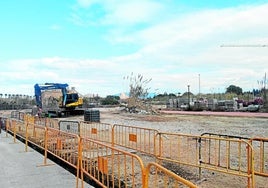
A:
x: 45, y: 155
x: 14, y: 135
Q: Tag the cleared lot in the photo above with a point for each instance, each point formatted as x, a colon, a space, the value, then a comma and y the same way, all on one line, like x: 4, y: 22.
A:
x: 247, y: 125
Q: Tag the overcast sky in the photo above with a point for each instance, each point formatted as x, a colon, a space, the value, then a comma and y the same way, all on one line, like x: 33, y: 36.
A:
x: 93, y: 44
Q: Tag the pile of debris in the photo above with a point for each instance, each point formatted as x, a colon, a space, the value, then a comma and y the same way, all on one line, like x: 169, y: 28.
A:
x: 134, y: 105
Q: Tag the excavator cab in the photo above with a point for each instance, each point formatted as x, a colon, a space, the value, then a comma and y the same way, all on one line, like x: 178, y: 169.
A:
x: 72, y: 97
x: 73, y: 100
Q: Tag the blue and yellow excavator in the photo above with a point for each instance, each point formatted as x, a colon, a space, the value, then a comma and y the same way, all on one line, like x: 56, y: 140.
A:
x: 67, y: 102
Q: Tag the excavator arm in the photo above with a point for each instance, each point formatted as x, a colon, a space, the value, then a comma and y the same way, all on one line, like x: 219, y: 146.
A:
x: 50, y: 86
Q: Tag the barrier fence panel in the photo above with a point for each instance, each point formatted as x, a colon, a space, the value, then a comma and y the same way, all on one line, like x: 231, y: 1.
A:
x: 52, y: 123
x: 97, y: 131
x: 7, y: 125
x: 225, y: 154
x: 28, y: 131
x: 30, y: 119
x: 260, y: 146
x: 158, y: 176
x: 179, y: 148
x: 37, y: 135
x: 21, y: 128
x: 109, y: 166
x: 40, y: 121
x: 136, y: 138
x: 231, y: 156
x: 63, y: 145
x: 12, y: 127
x: 46, y: 122
x: 31, y: 129
x: 69, y: 126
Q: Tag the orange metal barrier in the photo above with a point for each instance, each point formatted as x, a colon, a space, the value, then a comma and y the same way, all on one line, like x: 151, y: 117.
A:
x: 109, y: 166
x: 260, y: 146
x: 46, y: 122
x: 13, y: 129
x: 106, y: 165
x: 52, y: 123
x: 30, y: 132
x: 30, y: 119
x: 12, y: 126
x: 156, y: 172
x: 63, y: 145
x: 97, y: 131
x: 37, y: 136
x: 21, y: 128
x: 225, y: 155
x: 136, y: 138
x: 40, y: 121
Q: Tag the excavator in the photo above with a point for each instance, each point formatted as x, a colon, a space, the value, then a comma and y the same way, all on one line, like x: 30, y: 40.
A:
x: 56, y: 100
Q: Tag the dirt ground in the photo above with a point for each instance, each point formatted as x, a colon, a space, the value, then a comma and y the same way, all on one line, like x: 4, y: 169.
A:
x: 246, y: 125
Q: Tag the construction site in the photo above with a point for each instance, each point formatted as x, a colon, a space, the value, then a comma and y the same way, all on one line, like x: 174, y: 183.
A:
x: 134, y: 94
x: 140, y: 144
x: 168, y: 149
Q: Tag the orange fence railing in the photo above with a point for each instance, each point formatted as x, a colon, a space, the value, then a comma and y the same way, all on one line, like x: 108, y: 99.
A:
x: 97, y: 131
x: 106, y: 165
x: 230, y: 156
x: 260, y: 146
x: 96, y: 150
x: 109, y: 166
x: 170, y: 179
x: 136, y: 138
x: 63, y: 145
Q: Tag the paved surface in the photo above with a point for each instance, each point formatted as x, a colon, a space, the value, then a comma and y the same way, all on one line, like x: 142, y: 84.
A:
x: 19, y: 169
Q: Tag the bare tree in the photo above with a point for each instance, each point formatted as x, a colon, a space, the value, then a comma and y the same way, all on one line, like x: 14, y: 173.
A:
x: 138, y: 86
x: 138, y: 89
